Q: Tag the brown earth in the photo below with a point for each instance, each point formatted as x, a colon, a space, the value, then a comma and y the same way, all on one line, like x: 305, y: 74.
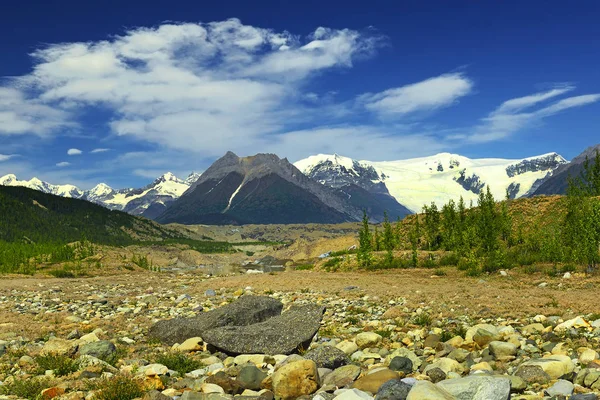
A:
x: 516, y: 296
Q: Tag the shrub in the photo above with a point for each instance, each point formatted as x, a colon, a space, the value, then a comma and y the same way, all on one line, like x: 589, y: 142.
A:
x: 121, y: 387
x: 439, y: 272
x: 304, y: 267
x: 332, y: 264
x: 449, y: 259
x: 60, y: 364
x: 26, y: 388
x: 568, y: 268
x: 422, y: 319
x: 429, y: 262
x: 179, y: 362
x: 62, y: 273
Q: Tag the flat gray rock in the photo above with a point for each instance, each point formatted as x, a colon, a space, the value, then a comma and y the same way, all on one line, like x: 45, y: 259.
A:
x: 283, y: 334
x: 477, y: 388
x: 246, y: 310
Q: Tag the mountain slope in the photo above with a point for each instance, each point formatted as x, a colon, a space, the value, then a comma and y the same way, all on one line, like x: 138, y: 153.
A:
x: 266, y: 189
x: 558, y: 182
x: 258, y: 189
x: 439, y: 178
x: 31, y: 215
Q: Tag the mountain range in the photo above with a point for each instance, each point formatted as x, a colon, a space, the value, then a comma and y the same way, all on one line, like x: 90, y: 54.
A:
x: 323, y: 188
x: 149, y: 201
x: 439, y: 178
x: 267, y: 189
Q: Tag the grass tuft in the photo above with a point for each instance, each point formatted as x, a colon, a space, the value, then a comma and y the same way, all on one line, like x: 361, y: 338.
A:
x: 61, y: 365
x: 182, y: 363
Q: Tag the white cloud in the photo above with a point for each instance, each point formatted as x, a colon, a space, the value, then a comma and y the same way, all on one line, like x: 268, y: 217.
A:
x: 5, y: 157
x: 63, y: 164
x: 74, y: 152
x: 191, y: 91
x: 507, y: 118
x: 21, y: 115
x: 206, y: 87
x: 520, y: 103
x: 430, y: 94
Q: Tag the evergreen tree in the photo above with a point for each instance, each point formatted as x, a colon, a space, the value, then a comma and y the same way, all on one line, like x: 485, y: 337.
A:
x: 388, y: 240
x: 414, y: 237
x: 487, y: 223
x: 365, y: 249
x: 582, y: 221
x: 432, y: 226
x: 376, y: 239
x: 449, y: 226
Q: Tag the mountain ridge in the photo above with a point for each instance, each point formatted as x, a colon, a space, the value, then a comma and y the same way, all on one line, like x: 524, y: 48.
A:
x: 438, y: 178
x: 264, y: 188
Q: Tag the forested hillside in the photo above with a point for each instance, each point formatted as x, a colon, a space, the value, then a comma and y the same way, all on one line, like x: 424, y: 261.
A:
x: 28, y: 215
x: 563, y: 231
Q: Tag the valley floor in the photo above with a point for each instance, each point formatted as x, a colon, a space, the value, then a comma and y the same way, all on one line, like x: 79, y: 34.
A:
x: 518, y: 295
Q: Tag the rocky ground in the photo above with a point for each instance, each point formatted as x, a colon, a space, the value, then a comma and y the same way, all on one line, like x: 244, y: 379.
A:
x: 389, y: 335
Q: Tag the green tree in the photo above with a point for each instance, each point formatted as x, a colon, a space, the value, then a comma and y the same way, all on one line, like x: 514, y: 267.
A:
x: 388, y: 240
x: 432, y: 226
x: 582, y: 220
x: 365, y: 247
x: 450, y: 229
x: 487, y: 221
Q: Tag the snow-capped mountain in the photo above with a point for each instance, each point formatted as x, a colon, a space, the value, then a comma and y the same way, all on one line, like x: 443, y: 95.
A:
x: 36, y: 184
x: 149, y: 201
x: 439, y: 178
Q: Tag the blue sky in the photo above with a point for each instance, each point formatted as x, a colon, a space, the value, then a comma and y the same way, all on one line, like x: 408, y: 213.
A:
x: 156, y: 86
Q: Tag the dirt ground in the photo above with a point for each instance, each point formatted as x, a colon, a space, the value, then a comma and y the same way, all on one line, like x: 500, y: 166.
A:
x: 515, y: 296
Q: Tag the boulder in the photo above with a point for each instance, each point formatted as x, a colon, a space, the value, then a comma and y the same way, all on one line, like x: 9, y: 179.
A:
x: 328, y: 357
x: 353, y: 394
x: 555, y: 366
x: 343, y: 376
x: 532, y: 374
x: 502, y: 350
x: 251, y: 377
x: 246, y: 310
x: 401, y: 364
x: 283, y: 334
x: 101, y: 349
x: 373, y: 381
x: 561, y: 388
x: 393, y: 390
x: 477, y: 388
x: 367, y: 339
x: 426, y: 390
x: 296, y: 379
x: 445, y: 364
x: 347, y: 346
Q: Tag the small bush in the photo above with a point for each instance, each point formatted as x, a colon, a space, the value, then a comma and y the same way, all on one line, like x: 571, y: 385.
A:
x: 121, y: 387
x: 422, y: 319
x: 459, y: 330
x: 449, y: 259
x: 249, y: 253
x: 26, y: 388
x: 568, y: 268
x: 62, y: 273
x: 332, y: 264
x: 439, y: 272
x: 60, y: 364
x: 179, y: 362
x: 429, y: 262
x: 304, y: 267
x: 384, y: 333
x: 445, y: 336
